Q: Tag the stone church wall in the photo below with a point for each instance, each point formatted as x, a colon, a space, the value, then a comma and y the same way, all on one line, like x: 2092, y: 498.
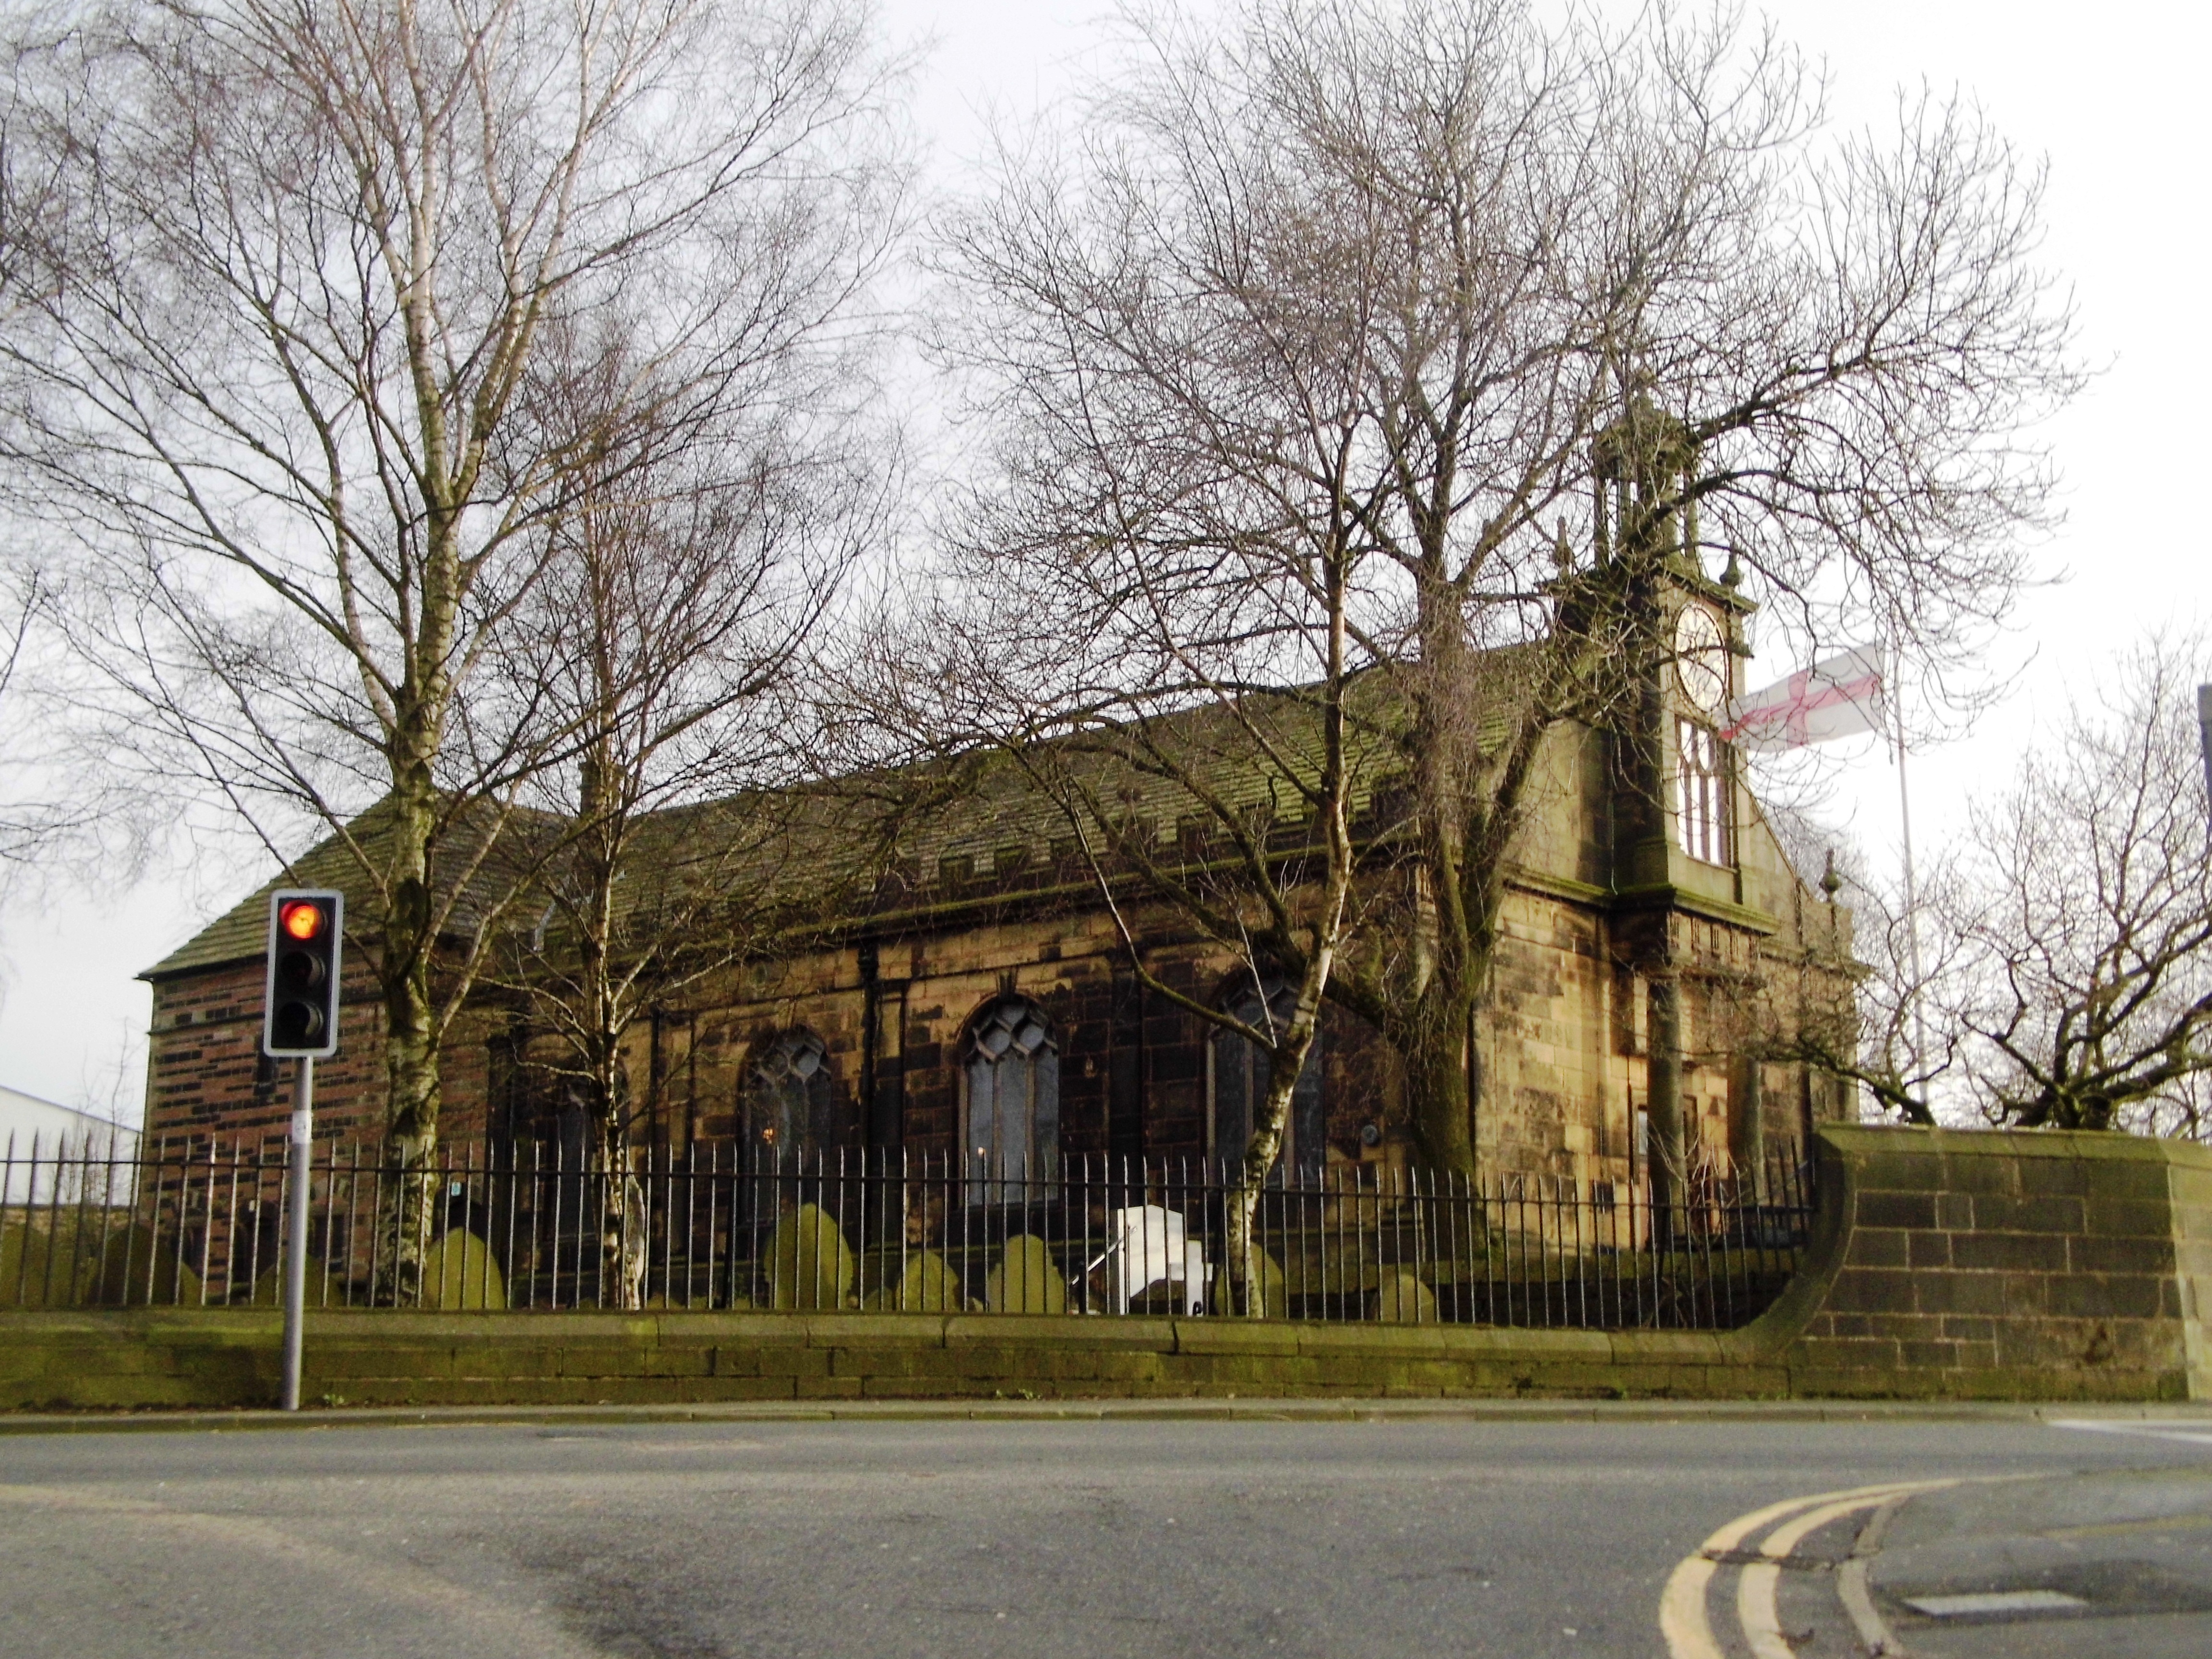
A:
x: 206, y: 1075
x: 1562, y: 1072
x: 1563, y: 1063
x: 1132, y: 1071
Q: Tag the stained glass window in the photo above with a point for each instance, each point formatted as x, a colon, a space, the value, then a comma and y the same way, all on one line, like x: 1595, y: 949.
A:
x: 791, y: 1104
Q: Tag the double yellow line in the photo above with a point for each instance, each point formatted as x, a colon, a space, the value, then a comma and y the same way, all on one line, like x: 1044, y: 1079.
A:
x: 1682, y: 1619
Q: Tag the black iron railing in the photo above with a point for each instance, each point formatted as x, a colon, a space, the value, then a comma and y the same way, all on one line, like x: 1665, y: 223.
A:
x: 715, y: 1226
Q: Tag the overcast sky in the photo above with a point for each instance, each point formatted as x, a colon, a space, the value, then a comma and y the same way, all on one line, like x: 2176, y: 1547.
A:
x: 2105, y: 94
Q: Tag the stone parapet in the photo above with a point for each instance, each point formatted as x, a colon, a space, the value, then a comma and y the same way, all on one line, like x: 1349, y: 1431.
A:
x: 1983, y: 1264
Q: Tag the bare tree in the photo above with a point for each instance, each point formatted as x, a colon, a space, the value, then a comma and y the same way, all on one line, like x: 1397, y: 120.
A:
x: 2085, y: 915
x: 1603, y: 298
x: 670, y: 633
x: 1880, y: 1037
x: 2063, y: 976
x: 57, y: 813
x: 288, y: 375
x: 30, y: 818
x: 1181, y: 685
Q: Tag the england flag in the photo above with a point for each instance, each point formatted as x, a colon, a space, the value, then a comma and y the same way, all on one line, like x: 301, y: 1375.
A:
x: 1839, y: 697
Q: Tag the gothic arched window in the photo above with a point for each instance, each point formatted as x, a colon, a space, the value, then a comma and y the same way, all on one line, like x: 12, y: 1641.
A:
x: 791, y: 1099
x: 1013, y: 1091
x: 1241, y: 1071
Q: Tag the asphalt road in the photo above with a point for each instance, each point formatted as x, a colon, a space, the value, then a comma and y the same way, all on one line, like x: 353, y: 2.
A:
x: 1414, y: 1536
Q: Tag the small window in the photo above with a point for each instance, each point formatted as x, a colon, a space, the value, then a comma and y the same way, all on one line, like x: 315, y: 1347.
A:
x: 1701, y: 795
x: 791, y: 1104
x: 1241, y: 1073
x: 1013, y: 1091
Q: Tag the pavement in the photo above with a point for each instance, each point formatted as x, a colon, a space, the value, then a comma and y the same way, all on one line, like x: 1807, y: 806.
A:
x: 1252, y: 1528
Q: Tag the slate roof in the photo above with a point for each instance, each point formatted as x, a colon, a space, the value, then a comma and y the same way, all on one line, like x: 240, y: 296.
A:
x: 903, y: 836
x: 242, y: 931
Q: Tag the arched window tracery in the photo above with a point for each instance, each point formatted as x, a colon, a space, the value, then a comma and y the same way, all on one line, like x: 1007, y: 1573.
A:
x: 791, y: 1097
x: 1011, y: 1110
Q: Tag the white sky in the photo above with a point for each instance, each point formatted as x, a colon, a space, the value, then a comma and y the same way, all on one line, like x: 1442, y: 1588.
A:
x: 2105, y: 94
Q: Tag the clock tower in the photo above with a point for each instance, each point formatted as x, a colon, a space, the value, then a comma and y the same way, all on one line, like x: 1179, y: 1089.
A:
x: 1678, y: 808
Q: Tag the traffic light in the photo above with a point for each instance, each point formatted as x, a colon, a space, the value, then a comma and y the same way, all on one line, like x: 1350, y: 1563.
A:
x: 300, y: 1015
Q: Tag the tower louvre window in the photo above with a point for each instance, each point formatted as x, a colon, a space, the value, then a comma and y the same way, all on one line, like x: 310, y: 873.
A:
x: 1701, y: 792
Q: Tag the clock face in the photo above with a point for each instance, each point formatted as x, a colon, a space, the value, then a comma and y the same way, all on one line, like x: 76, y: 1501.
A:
x: 1701, y: 659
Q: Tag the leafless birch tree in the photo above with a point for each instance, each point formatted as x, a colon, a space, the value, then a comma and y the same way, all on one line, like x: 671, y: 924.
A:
x: 57, y: 813
x: 670, y: 633
x: 282, y: 376
x: 1604, y: 299
x: 1181, y: 684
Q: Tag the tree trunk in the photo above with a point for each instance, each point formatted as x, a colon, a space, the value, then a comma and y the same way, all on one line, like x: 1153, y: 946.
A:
x: 1669, y: 1156
x: 1248, y: 1289
x: 411, y: 1045
x: 621, y: 1216
x: 411, y: 1136
x: 1747, y: 1115
x: 1435, y: 1049
x: 1451, y: 961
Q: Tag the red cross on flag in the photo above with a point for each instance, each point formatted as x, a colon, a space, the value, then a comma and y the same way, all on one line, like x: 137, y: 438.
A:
x: 1835, y: 698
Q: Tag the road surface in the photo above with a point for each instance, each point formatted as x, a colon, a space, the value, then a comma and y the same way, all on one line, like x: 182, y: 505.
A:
x: 1419, y: 1533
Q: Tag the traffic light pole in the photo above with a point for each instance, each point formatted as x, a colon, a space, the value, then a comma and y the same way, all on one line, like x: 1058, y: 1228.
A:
x: 295, y: 1250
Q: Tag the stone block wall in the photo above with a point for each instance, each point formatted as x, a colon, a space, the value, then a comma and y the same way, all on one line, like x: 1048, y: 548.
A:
x: 152, y: 1357
x: 2010, y: 1265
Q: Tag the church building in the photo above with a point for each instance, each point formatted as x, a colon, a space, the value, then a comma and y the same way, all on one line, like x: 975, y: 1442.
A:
x: 993, y: 1003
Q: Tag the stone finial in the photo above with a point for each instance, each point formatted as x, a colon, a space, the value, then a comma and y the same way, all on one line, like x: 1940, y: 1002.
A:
x: 1732, y: 577
x: 1830, y: 883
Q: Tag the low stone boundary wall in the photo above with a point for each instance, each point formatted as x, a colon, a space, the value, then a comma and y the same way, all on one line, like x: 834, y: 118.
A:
x: 206, y: 1358
x: 1944, y: 1264
x: 2002, y: 1266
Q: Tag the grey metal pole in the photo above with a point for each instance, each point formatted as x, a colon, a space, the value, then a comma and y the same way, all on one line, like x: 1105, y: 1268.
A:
x: 296, y: 1236
x: 2204, y: 732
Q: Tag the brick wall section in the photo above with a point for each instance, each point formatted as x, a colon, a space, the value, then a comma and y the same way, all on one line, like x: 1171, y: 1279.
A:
x: 206, y: 1074
x: 1944, y: 1266
x: 2032, y: 1265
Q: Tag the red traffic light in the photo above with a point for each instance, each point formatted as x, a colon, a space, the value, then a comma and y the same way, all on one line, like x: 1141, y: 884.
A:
x: 301, y: 920
x: 300, y: 1005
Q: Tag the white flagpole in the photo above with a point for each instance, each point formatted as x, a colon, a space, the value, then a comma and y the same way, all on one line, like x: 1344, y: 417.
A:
x: 1911, y: 891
